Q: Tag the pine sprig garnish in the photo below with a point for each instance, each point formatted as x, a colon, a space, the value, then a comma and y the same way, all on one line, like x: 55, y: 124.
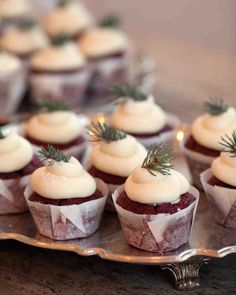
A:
x: 52, y: 106
x: 2, y: 136
x: 215, y: 106
x: 27, y: 24
x: 102, y: 132
x: 158, y: 159
x: 62, y: 3
x: 52, y: 155
x: 60, y: 39
x: 229, y: 143
x: 128, y: 91
x: 111, y: 21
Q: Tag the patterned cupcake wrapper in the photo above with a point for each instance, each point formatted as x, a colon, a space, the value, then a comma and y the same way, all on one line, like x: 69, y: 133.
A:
x: 12, y: 195
x: 157, y: 233
x: 71, y: 221
x: 221, y: 200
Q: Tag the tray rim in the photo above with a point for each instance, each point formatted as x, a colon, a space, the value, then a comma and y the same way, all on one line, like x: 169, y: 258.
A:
x: 104, y: 254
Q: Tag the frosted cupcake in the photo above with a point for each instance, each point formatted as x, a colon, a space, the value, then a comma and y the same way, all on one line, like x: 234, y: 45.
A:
x: 157, y: 205
x: 24, y: 39
x: 12, y: 83
x: 114, y: 155
x: 58, y: 126
x: 109, y: 55
x: 219, y: 183
x: 139, y: 115
x: 69, y: 17
x: 64, y: 200
x: 17, y: 162
x: 14, y: 11
x: 59, y: 72
x: 202, y: 146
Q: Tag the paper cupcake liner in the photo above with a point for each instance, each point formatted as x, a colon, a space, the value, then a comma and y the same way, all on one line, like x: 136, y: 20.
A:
x: 157, y: 233
x: 71, y: 221
x: 166, y: 137
x: 69, y: 87
x: 222, y: 201
x: 197, y: 162
x: 12, y: 89
x: 12, y: 195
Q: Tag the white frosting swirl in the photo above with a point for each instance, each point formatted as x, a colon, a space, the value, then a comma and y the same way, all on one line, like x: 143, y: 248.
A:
x: 118, y: 157
x: 58, y: 58
x: 14, y: 8
x: 70, y: 19
x: 224, y: 168
x: 56, y: 127
x: 207, y: 129
x: 139, y: 116
x: 9, y: 63
x: 23, y: 42
x: 145, y: 188
x: 15, y: 153
x: 99, y: 42
x: 63, y: 181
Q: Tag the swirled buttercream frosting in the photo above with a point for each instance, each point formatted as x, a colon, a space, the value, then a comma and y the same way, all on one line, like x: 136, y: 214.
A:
x: 118, y: 157
x: 15, y: 153
x: 9, y: 63
x: 63, y: 181
x: 224, y: 168
x: 14, y: 8
x: 145, y: 188
x: 208, y: 129
x: 54, y: 127
x: 139, y: 116
x: 99, y: 42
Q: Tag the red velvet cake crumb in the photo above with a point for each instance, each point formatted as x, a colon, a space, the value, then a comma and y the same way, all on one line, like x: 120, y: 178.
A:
x: 64, y: 202
x: 106, y: 177
x: 76, y: 141
x: 196, y: 147
x: 28, y: 169
x: 138, y: 208
x: 146, y: 135
x: 215, y: 181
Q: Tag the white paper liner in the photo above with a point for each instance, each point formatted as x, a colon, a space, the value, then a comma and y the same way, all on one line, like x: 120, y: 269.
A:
x: 167, y: 136
x: 12, y: 195
x: 157, y: 233
x: 71, y: 221
x: 222, y: 201
x: 69, y: 87
x: 12, y: 89
x: 197, y: 162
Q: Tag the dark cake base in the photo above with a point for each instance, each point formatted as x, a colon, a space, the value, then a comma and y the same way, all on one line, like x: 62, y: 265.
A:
x: 106, y: 177
x: 215, y: 181
x: 191, y: 144
x: 166, y: 128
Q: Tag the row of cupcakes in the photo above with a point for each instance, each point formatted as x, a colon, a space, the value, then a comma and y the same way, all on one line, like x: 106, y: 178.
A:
x: 62, y: 68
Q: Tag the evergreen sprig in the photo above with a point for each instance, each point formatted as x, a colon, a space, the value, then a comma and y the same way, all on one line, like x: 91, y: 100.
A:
x: 229, y: 143
x: 60, y: 39
x: 215, y: 106
x: 62, y: 3
x: 158, y: 159
x: 111, y: 21
x: 52, y: 106
x: 27, y: 24
x: 101, y: 132
x: 128, y: 91
x: 2, y: 136
x: 52, y: 155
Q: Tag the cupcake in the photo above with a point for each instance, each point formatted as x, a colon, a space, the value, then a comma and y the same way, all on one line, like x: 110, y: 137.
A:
x: 156, y: 205
x: 219, y: 183
x: 202, y: 146
x: 69, y: 17
x: 58, y: 72
x: 23, y: 40
x: 14, y: 11
x: 17, y: 162
x: 139, y: 115
x: 58, y: 126
x: 109, y: 55
x: 114, y: 155
x: 65, y: 201
x: 12, y: 83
